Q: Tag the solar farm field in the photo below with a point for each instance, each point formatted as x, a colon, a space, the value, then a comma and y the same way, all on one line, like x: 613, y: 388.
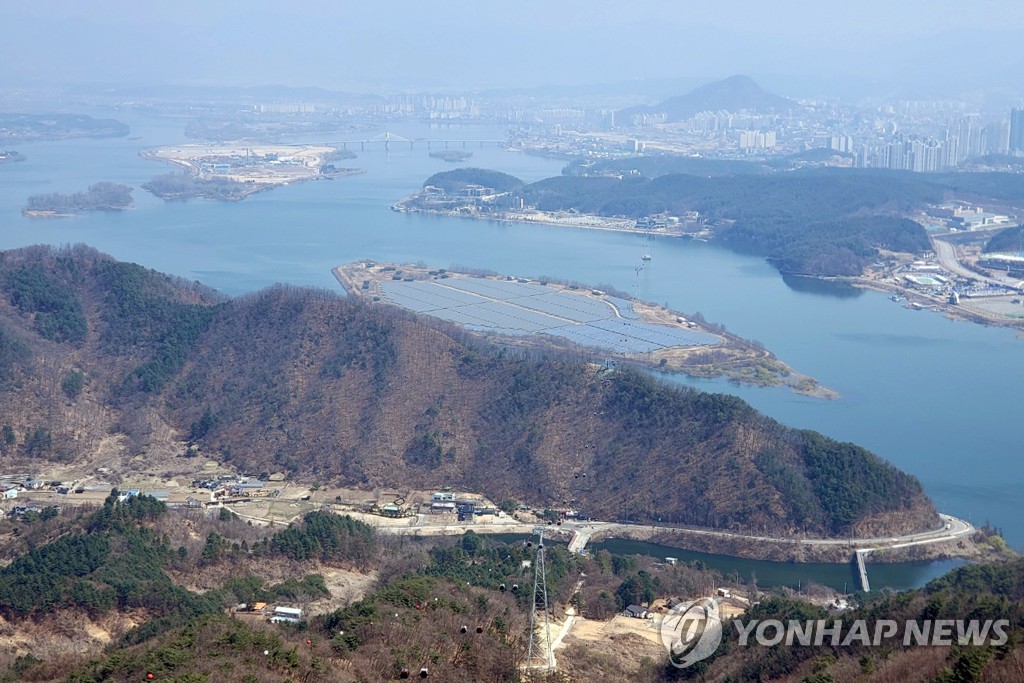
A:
x: 518, y: 308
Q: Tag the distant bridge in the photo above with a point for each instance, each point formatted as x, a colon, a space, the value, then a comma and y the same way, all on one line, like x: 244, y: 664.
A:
x: 386, y: 139
x: 862, y: 570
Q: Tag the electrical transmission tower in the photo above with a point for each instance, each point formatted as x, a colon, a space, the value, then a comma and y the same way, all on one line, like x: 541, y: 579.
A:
x: 538, y: 654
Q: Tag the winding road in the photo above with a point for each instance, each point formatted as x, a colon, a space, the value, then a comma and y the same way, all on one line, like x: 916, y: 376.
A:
x: 946, y: 254
x: 952, y: 528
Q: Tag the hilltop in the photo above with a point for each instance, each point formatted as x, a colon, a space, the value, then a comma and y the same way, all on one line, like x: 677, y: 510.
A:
x: 457, y: 179
x: 104, y: 357
x: 736, y: 93
x: 1008, y: 239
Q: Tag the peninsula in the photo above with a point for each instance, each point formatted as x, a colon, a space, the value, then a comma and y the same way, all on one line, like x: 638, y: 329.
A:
x: 233, y: 172
x: 545, y: 313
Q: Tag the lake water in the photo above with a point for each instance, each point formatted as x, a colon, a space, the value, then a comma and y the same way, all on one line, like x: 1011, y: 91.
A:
x: 938, y: 398
x: 841, y: 577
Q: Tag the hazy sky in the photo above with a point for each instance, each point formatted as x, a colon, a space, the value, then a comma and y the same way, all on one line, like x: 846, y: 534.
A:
x: 405, y: 45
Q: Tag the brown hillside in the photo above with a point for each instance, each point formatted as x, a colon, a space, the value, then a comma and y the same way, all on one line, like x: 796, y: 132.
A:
x: 337, y: 390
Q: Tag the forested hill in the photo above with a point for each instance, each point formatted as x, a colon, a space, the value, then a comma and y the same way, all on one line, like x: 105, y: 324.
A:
x: 815, y: 222
x: 1010, y: 239
x: 102, y: 196
x: 455, y: 180
x: 335, y: 390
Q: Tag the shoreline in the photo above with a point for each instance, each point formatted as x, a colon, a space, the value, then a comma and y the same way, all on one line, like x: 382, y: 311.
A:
x: 963, y: 311
x: 75, y: 213
x: 39, y: 213
x: 400, y: 207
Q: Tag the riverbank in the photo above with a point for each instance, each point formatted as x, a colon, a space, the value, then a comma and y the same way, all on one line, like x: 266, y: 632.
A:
x: 70, y: 213
x: 935, y: 304
x: 562, y: 219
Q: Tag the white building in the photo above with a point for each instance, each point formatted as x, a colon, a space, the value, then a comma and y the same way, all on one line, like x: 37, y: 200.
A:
x: 286, y: 615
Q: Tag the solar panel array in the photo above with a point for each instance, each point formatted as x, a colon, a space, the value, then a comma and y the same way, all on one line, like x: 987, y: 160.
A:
x: 572, y: 307
x: 587, y: 335
x: 660, y: 335
x: 518, y: 308
x: 495, y: 289
x: 425, y: 296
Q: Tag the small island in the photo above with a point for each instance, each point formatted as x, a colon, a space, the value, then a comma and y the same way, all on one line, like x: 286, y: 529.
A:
x: 171, y: 186
x: 7, y: 156
x: 233, y: 172
x: 104, y: 196
x: 451, y: 155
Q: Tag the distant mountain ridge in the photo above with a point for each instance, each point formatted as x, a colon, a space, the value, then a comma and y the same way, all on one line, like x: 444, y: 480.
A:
x: 736, y: 93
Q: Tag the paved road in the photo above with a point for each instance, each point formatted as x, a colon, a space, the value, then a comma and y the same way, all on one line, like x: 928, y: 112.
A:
x: 958, y: 528
x: 946, y: 253
x: 584, y: 531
